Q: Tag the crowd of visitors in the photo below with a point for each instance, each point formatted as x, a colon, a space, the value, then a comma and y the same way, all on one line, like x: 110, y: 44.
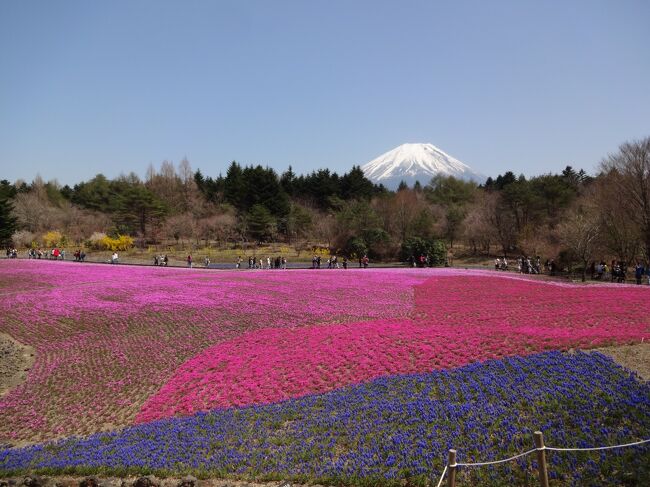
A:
x: 79, y: 255
x: 616, y: 271
x: 333, y: 262
x: 500, y: 264
x: 54, y: 253
x: 421, y: 261
x: 160, y: 260
x: 278, y: 262
x: 525, y: 265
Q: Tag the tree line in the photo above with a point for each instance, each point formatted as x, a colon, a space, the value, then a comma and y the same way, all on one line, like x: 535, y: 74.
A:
x: 571, y: 216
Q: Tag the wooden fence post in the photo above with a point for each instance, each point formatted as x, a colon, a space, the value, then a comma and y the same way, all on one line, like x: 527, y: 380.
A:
x: 451, y: 480
x: 541, y: 459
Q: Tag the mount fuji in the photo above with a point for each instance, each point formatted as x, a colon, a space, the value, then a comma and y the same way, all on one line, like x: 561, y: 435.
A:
x: 416, y: 162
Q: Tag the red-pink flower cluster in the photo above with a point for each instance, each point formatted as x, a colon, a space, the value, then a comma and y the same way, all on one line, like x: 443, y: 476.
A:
x: 457, y: 320
x: 108, y: 337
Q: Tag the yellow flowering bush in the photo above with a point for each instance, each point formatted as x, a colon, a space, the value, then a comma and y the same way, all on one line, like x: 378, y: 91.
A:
x: 122, y: 242
x: 101, y: 241
x: 53, y: 238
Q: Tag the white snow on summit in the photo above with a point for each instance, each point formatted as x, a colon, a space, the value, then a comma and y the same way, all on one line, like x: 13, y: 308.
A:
x: 416, y: 162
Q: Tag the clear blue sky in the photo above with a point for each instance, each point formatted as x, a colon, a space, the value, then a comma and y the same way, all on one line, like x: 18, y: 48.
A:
x: 528, y: 86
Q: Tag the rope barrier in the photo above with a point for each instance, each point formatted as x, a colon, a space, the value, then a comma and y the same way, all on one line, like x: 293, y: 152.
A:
x: 442, y: 477
x: 598, y: 447
x: 479, y: 464
x: 519, y: 455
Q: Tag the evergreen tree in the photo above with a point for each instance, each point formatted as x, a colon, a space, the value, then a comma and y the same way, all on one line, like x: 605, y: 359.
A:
x: 95, y: 194
x: 554, y: 193
x: 199, y: 180
x: 520, y: 200
x: 575, y: 179
x: 211, y: 189
x: 260, y: 223
x: 234, y: 186
x: 489, y: 184
x: 297, y: 223
x: 7, y: 220
x: 263, y: 188
x: 570, y: 175
x: 320, y: 186
x: 7, y: 190
x: 503, y: 181
x: 66, y: 192
x: 355, y: 247
x: 355, y: 185
x: 288, y: 181
x: 138, y: 208
x: 448, y: 190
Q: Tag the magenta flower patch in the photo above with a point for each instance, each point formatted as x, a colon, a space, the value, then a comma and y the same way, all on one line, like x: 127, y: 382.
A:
x: 457, y: 320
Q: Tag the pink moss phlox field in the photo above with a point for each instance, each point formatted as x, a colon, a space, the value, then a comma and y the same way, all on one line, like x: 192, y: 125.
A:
x: 457, y: 320
x: 108, y: 337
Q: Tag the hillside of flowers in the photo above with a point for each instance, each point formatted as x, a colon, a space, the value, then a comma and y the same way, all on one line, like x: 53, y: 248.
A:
x: 353, y: 376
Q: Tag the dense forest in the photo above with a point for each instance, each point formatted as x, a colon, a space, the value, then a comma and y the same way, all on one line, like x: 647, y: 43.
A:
x: 572, y: 217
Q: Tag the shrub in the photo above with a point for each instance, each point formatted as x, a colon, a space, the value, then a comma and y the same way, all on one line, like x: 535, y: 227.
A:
x: 122, y: 242
x: 416, y: 246
x: 101, y: 241
x: 356, y: 247
x: 96, y: 241
x: 53, y: 238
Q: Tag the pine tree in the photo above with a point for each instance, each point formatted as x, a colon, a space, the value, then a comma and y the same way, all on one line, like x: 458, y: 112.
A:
x: 263, y: 188
x: 260, y: 223
x: 199, y: 180
x: 7, y: 220
x: 288, y: 180
x: 138, y: 208
x: 320, y: 186
x: 235, y: 187
x: 355, y: 185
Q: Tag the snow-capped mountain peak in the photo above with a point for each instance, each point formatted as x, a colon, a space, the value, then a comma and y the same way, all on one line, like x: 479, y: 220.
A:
x: 416, y: 162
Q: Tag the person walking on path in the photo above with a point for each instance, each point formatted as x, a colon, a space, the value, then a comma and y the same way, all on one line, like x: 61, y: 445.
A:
x: 638, y: 272
x: 189, y: 261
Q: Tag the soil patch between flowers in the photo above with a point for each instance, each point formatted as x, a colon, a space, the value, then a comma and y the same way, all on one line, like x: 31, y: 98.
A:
x: 16, y: 360
x: 634, y: 357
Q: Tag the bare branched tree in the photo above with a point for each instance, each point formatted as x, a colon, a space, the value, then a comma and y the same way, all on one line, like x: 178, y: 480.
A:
x: 619, y: 235
x: 501, y: 220
x: 579, y: 233
x: 628, y: 171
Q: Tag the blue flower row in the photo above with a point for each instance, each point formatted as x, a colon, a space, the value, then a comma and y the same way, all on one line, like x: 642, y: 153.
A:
x: 398, y: 428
